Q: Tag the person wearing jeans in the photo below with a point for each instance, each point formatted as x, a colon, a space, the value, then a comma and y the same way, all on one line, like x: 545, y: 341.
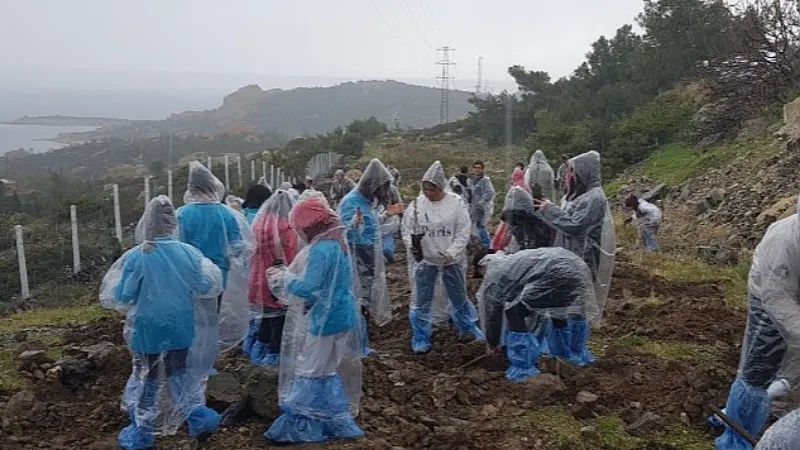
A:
x: 436, y: 231
x: 481, y: 201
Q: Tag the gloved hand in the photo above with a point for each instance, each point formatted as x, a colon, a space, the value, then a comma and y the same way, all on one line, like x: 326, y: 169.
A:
x: 276, y: 279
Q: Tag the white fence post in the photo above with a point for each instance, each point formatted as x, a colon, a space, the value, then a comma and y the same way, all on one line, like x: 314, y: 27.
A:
x: 227, y: 175
x: 253, y: 170
x: 264, y: 169
x: 146, y: 191
x: 272, y: 177
x: 209, y: 164
x: 169, y: 184
x: 76, y: 249
x: 23, y: 268
x: 239, y: 169
x: 279, y: 181
x: 117, y: 218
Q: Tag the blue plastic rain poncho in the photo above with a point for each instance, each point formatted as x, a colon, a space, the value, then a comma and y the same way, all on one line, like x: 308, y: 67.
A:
x: 528, y: 299
x: 783, y: 435
x: 359, y: 213
x: 436, y: 233
x: 584, y: 225
x: 539, y: 172
x: 224, y: 237
x: 320, y: 373
x: 770, y: 355
x: 481, y: 207
x: 168, y: 291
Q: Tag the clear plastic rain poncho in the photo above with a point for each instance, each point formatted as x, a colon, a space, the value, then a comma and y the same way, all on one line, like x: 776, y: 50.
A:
x: 481, y: 207
x: 276, y: 247
x: 223, y: 236
x: 359, y: 213
x: 585, y: 225
x: 263, y: 182
x: 520, y: 228
x: 436, y: 234
x: 783, y: 435
x: 455, y: 186
x: 524, y: 294
x: 168, y: 291
x: 771, y: 349
x: 539, y: 172
x: 308, y: 193
x: 320, y: 374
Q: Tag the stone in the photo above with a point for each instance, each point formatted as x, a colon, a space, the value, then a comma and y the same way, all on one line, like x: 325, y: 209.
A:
x: 781, y: 209
x: 590, y: 433
x: 30, y: 358
x: 647, y: 423
x: 19, y: 405
x: 261, y: 389
x: 223, y: 390
x: 582, y: 412
x: 586, y: 398
x: 655, y: 194
x: 716, y: 196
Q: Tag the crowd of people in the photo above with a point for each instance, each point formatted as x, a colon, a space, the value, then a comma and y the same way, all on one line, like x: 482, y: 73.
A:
x: 296, y: 278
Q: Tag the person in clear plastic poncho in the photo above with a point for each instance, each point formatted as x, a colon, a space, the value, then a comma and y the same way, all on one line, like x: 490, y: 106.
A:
x: 481, y: 203
x: 584, y: 225
x: 769, y: 365
x: 320, y: 373
x: 287, y: 186
x: 390, y: 224
x: 522, y: 293
x: 783, y: 435
x: 520, y: 228
x: 359, y: 213
x: 224, y: 237
x: 436, y: 231
x: 168, y: 291
x: 256, y: 196
x: 276, y: 246
x: 539, y: 172
x: 340, y: 187
x: 647, y: 218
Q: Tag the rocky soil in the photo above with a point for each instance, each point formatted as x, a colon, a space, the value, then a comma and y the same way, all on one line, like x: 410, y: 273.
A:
x: 420, y: 401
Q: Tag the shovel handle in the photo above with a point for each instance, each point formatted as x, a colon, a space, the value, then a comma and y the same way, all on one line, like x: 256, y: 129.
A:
x: 736, y: 427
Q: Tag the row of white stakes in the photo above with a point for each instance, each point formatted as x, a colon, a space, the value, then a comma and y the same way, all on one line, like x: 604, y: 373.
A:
x: 276, y: 176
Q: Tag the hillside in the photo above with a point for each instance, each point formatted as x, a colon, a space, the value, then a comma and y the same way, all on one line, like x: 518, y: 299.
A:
x: 301, y: 111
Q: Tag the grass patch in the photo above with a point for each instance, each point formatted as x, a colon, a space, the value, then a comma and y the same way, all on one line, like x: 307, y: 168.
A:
x: 612, y: 188
x: 10, y: 379
x: 688, y: 270
x: 675, y: 163
x: 53, y: 317
x: 671, y: 350
x: 564, y: 431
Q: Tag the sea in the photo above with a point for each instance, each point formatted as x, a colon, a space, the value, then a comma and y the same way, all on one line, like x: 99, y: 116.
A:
x: 33, y: 137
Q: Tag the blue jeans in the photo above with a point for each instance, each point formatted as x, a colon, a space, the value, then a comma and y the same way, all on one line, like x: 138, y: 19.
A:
x: 483, y: 236
x: 648, y: 237
x: 464, y: 314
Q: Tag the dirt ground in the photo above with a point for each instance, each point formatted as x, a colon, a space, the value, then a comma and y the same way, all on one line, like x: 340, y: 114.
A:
x: 428, y: 402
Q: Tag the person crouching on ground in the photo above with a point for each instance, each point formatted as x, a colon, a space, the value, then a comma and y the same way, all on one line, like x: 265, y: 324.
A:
x: 769, y: 359
x: 647, y: 218
x: 521, y: 292
x: 436, y: 231
x: 168, y: 291
x: 320, y: 374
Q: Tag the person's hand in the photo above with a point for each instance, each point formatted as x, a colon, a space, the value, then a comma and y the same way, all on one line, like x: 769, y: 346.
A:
x: 359, y: 219
x: 395, y: 209
x: 448, y: 260
x: 539, y: 205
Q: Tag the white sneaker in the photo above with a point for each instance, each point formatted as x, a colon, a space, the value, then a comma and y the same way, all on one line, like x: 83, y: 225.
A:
x: 778, y: 389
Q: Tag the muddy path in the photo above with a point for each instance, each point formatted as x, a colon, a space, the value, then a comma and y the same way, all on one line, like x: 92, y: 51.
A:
x: 427, y: 402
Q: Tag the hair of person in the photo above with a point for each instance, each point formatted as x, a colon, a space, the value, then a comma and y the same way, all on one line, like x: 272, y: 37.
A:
x: 632, y: 201
x: 479, y: 163
x: 464, y: 169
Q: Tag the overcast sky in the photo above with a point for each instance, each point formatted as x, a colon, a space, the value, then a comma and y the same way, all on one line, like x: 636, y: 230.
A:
x: 330, y: 39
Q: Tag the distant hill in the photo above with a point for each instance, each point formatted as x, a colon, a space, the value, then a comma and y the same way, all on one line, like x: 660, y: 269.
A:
x: 67, y: 121
x: 301, y: 111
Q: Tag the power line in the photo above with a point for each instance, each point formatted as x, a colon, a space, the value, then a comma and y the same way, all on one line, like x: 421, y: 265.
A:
x: 407, y: 10
x: 445, y: 78
x: 428, y: 14
x: 396, y: 36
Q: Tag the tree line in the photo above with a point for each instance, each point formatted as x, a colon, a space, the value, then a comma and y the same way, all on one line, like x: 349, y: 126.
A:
x: 697, y: 71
